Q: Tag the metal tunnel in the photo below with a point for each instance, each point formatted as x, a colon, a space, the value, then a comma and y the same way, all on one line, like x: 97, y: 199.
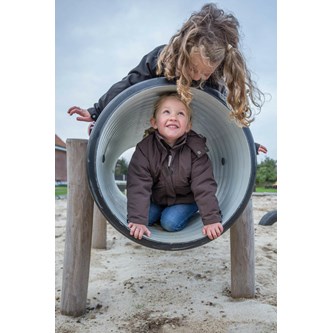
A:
x: 121, y: 126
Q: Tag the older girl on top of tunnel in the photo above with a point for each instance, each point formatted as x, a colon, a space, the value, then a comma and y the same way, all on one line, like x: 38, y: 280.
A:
x: 205, y: 51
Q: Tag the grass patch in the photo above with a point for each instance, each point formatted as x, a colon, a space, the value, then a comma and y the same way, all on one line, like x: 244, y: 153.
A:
x: 264, y: 189
x: 60, y: 190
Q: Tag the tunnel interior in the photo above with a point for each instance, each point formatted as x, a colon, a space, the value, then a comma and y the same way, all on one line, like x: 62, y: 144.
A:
x: 121, y: 125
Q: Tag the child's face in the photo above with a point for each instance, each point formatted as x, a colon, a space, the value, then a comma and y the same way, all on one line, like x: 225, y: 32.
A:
x: 200, y: 69
x: 172, y: 120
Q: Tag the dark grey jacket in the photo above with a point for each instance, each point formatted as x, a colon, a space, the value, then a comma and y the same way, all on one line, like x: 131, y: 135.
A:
x: 144, y: 71
x: 171, y: 175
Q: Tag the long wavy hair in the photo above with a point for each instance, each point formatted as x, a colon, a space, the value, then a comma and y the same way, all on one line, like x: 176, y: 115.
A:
x: 214, y: 35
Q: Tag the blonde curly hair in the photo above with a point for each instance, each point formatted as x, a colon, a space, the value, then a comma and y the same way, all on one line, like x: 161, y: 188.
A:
x: 214, y: 35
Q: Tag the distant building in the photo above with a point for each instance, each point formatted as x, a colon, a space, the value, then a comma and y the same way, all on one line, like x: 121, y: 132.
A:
x: 60, y: 161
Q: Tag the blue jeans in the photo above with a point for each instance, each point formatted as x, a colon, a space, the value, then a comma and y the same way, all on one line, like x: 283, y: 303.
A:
x: 172, y: 218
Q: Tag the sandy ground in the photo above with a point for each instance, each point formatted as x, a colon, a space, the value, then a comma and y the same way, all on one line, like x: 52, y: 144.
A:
x: 136, y: 289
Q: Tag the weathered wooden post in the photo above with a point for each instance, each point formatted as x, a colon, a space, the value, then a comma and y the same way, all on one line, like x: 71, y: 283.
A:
x: 78, y: 231
x: 242, y: 255
x: 99, y: 229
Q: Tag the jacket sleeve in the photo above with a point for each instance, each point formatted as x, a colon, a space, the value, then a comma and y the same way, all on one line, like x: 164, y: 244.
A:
x: 204, y: 188
x: 144, y: 71
x: 139, y: 187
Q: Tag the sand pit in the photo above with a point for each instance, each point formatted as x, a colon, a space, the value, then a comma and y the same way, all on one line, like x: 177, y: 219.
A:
x: 136, y: 289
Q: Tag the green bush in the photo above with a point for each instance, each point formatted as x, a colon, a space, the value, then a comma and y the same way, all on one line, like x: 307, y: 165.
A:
x: 266, y: 173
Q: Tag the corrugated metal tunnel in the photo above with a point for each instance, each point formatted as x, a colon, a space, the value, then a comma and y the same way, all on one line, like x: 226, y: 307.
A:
x: 121, y: 125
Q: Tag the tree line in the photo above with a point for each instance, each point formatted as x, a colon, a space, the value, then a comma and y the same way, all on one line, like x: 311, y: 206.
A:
x: 266, y: 172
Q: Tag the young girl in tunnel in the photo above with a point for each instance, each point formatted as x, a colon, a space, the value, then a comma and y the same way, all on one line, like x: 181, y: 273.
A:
x: 170, y: 176
x: 204, y: 52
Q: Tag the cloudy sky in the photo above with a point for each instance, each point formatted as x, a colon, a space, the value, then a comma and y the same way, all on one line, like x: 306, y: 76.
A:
x: 98, y: 42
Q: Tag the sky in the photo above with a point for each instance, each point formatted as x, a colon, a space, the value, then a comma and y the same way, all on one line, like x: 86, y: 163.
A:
x: 98, y: 42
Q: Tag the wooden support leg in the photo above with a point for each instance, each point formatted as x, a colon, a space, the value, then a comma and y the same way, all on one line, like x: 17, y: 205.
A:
x: 242, y: 255
x: 78, y: 231
x: 99, y: 229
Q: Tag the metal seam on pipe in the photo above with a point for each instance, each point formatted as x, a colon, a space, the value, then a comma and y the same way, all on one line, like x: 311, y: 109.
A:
x: 121, y: 126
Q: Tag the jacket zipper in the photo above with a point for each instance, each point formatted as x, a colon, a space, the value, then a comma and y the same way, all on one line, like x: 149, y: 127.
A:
x: 169, y: 160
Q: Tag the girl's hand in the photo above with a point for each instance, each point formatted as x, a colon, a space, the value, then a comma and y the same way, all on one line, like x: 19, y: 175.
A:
x: 213, y: 231
x: 262, y: 149
x: 83, y: 113
x: 138, y: 230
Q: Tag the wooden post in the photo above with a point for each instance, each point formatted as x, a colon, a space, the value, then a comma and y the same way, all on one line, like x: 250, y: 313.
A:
x: 99, y: 229
x: 78, y: 231
x: 242, y: 255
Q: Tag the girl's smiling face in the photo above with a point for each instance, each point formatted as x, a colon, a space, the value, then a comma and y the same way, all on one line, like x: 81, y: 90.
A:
x: 172, y: 119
